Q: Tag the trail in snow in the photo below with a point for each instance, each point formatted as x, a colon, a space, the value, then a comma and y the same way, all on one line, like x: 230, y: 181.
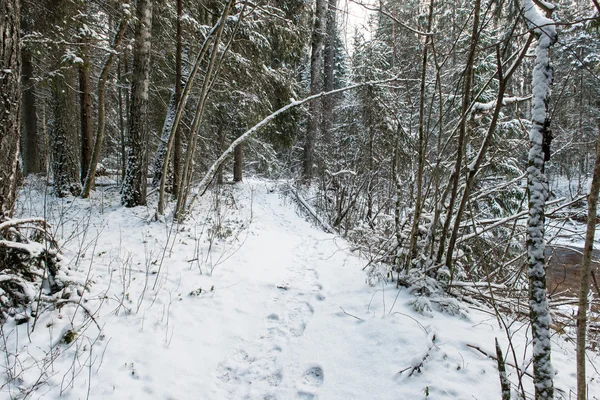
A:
x: 285, y: 314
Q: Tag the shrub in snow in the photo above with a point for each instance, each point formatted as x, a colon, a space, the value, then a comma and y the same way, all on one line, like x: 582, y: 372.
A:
x: 31, y: 274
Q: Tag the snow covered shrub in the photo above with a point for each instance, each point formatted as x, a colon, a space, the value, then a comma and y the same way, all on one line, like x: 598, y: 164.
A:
x: 30, y: 269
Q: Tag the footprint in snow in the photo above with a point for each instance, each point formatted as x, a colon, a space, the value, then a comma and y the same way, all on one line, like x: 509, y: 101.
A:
x: 306, y: 396
x: 314, y: 376
x: 275, y: 379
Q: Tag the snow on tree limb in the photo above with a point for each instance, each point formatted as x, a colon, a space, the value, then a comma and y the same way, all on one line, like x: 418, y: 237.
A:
x: 205, y: 181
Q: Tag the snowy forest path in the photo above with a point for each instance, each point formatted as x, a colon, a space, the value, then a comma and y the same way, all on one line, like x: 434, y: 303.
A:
x: 257, y: 369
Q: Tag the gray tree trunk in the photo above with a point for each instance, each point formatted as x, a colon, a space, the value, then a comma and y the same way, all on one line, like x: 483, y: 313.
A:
x: 134, y: 186
x: 314, y: 108
x: 10, y: 102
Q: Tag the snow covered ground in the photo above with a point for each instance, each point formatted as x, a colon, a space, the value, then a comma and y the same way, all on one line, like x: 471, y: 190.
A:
x: 248, y: 302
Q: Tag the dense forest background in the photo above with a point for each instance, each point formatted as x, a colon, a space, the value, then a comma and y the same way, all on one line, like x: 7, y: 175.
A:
x: 428, y: 135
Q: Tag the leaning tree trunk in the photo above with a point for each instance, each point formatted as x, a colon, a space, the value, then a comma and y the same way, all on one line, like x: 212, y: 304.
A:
x: 134, y: 186
x: 585, y: 275
x: 10, y: 103
x: 462, y: 132
x: 537, y: 190
x: 314, y: 108
x: 95, y: 156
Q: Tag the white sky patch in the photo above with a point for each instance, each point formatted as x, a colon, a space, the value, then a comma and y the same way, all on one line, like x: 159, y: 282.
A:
x: 353, y: 16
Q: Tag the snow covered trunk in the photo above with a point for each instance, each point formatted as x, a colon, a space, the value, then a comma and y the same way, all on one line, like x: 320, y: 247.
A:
x: 159, y: 157
x: 65, y: 144
x: 537, y: 186
x: 10, y: 103
x: 134, y: 186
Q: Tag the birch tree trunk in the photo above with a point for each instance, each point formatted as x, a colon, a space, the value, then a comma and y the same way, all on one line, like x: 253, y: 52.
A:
x: 537, y: 191
x: 10, y: 102
x: 134, y: 186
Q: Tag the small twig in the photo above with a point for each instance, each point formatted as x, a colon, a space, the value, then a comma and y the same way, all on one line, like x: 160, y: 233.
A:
x: 353, y: 316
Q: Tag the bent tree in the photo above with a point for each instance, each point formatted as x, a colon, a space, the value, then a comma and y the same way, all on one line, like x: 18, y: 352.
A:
x: 537, y: 190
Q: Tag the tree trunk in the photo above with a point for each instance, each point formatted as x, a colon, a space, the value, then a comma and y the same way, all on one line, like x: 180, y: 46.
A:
x: 462, y: 129
x: 422, y: 142
x: 161, y: 151
x: 85, y: 103
x: 178, y: 82
x: 328, y: 66
x: 10, y: 103
x: 584, y: 289
x: 65, y: 152
x: 238, y: 154
x: 31, y: 150
x: 314, y: 108
x: 95, y: 156
x: 537, y: 191
x: 221, y: 143
x: 134, y: 186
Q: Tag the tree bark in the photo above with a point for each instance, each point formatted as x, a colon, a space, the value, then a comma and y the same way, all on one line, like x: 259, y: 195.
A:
x: 584, y: 289
x: 65, y: 152
x: 10, y: 102
x: 85, y: 104
x: 31, y: 150
x: 178, y: 82
x: 134, y: 186
x: 314, y: 108
x: 238, y: 154
x: 329, y: 66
